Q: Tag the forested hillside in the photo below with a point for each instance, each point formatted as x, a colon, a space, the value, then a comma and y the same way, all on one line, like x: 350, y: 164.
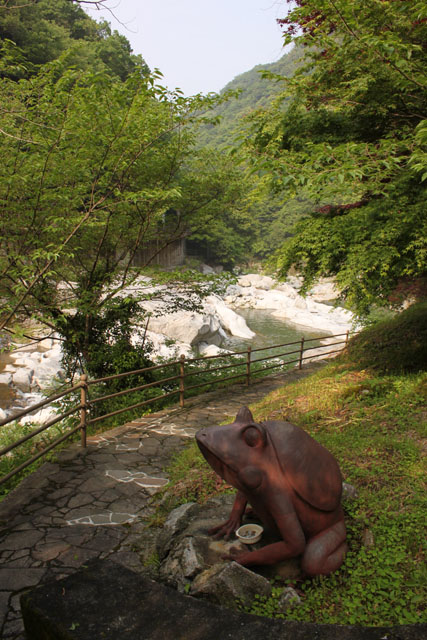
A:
x: 34, y: 33
x: 255, y: 90
x: 270, y: 215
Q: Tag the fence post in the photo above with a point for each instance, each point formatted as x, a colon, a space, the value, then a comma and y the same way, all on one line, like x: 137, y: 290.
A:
x: 83, y: 410
x: 346, y: 339
x: 181, y: 381
x: 248, y: 367
x: 301, y: 353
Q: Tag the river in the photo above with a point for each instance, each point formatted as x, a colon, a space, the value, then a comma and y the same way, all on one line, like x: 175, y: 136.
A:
x: 270, y: 331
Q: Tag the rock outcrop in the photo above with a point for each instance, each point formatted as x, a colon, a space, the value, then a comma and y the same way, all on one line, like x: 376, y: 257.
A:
x: 262, y: 292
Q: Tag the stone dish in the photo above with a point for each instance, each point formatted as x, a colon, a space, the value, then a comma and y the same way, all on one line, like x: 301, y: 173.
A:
x: 249, y: 533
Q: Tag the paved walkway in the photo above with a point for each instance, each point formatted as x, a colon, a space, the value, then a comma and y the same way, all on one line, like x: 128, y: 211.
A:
x: 94, y: 502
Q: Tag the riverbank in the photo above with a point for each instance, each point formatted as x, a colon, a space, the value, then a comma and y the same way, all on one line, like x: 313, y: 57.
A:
x: 29, y: 370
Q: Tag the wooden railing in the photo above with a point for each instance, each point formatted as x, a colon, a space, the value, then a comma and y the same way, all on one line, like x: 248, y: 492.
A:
x: 186, y: 368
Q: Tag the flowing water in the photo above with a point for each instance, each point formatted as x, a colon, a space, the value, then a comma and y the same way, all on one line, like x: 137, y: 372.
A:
x: 270, y: 331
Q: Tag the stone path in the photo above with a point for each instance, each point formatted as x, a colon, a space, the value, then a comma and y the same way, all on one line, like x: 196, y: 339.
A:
x: 95, y: 502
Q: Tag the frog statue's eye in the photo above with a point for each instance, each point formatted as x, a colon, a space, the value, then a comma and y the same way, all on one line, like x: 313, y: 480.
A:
x: 254, y: 435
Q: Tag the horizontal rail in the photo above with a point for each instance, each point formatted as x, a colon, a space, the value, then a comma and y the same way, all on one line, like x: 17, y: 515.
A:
x: 132, y: 373
x: 273, y: 366
x: 133, y: 406
x: 39, y: 430
x: 126, y: 391
x: 39, y: 455
x: 229, y: 354
x: 39, y: 405
x: 279, y: 346
x: 205, y: 384
x: 336, y: 335
x: 318, y: 355
x: 226, y: 366
x: 278, y: 355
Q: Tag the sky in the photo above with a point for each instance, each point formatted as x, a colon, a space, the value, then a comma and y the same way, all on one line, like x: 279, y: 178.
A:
x: 199, y: 45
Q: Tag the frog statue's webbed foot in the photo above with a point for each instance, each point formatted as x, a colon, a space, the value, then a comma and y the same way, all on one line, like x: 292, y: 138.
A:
x: 227, y: 528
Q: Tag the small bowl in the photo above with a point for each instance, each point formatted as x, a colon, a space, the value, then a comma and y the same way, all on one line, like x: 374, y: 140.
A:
x: 249, y: 533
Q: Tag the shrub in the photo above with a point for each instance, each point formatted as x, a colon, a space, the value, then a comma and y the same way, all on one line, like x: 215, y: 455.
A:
x: 394, y: 346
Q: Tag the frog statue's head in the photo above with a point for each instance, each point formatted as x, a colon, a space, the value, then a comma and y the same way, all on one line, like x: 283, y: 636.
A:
x: 236, y: 451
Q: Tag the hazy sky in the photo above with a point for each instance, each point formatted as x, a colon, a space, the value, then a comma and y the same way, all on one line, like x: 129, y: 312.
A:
x: 199, y: 45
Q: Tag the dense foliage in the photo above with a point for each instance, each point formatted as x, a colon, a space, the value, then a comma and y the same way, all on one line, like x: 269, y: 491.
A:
x: 396, y: 345
x: 97, y: 163
x: 35, y: 32
x: 353, y: 138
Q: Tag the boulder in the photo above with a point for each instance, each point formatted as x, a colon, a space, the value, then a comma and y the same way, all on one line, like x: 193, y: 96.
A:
x: 287, y: 289
x: 207, y: 350
x: 229, y: 584
x: 191, y: 559
x: 163, y: 347
x: 22, y: 379
x: 39, y: 417
x: 6, y: 378
x: 257, y: 281
x: 189, y: 327
x: 230, y: 320
x: 233, y: 290
x: 128, y: 606
x: 206, y: 269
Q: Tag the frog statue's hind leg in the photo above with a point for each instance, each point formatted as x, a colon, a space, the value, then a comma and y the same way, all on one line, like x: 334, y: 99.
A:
x: 325, y: 552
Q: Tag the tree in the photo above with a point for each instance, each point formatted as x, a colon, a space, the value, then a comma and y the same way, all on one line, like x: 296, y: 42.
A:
x: 34, y: 33
x: 91, y: 168
x: 354, y: 138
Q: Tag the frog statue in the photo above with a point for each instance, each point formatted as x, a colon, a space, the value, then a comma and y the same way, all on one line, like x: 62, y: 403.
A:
x: 293, y: 485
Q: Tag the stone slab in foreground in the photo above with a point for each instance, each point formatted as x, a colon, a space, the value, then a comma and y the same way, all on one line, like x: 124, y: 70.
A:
x: 105, y: 601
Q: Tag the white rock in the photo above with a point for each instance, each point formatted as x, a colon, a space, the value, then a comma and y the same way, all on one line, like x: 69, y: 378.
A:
x: 6, y: 378
x: 324, y: 290
x: 230, y: 320
x: 22, y: 359
x: 256, y: 280
x: 161, y: 350
x: 233, y: 290
x: 45, y: 372
x: 244, y: 281
x: 3, y: 414
x: 22, y: 379
x: 206, y: 269
x: 207, y: 350
x: 189, y: 327
x: 40, y: 417
x: 300, y: 303
x: 287, y: 289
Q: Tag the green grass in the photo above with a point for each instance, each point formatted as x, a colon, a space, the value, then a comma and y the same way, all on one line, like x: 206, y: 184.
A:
x: 375, y: 425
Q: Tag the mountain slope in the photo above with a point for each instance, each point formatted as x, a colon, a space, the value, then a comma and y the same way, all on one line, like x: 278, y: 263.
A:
x: 255, y: 93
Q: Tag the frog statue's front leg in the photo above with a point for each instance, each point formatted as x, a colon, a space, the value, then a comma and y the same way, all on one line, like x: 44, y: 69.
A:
x: 320, y: 555
x: 226, y: 529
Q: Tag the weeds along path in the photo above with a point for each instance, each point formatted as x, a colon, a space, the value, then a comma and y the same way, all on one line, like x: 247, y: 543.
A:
x: 94, y: 502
